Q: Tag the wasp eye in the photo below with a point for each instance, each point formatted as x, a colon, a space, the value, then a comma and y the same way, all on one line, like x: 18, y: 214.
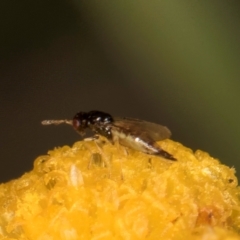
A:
x: 79, y: 124
x: 76, y: 124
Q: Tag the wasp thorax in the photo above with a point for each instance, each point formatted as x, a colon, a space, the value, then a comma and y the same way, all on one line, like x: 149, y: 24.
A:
x: 95, y: 117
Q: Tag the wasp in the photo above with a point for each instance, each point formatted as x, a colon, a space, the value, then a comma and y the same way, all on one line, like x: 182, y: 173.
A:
x: 129, y: 132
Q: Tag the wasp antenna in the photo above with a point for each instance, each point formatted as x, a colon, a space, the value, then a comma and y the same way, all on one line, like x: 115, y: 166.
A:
x: 56, y: 122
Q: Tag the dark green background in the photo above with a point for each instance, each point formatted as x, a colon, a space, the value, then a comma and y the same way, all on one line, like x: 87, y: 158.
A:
x: 176, y: 63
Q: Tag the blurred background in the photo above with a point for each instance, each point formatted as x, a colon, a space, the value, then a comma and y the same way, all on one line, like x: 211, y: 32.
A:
x: 175, y: 63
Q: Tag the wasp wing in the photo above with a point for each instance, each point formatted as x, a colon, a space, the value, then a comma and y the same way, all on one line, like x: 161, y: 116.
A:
x: 143, y: 129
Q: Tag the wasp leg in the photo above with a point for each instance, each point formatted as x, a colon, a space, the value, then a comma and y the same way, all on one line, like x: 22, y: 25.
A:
x: 92, y: 154
x: 98, y: 142
x: 150, y: 163
x: 117, y: 144
x: 105, y: 158
x: 96, y: 158
x: 90, y: 139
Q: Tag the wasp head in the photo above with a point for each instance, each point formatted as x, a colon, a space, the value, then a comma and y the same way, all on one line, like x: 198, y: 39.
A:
x: 80, y: 122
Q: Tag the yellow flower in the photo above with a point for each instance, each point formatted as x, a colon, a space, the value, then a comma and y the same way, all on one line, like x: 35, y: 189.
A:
x: 110, y: 192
